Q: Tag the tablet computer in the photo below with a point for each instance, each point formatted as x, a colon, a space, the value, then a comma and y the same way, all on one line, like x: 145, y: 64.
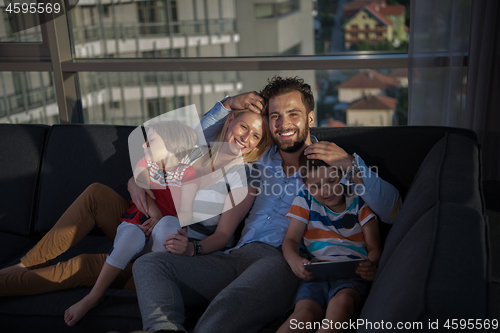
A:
x: 334, y: 270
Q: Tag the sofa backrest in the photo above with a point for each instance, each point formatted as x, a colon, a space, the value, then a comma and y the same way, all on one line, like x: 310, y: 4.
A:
x: 22, y: 148
x: 396, y: 151
x: 434, y: 264
x: 75, y: 157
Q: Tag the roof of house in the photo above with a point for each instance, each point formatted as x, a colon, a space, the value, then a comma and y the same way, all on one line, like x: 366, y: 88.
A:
x: 352, y: 7
x: 392, y: 10
x: 369, y: 79
x: 374, y: 9
x: 376, y: 102
x: 399, y: 72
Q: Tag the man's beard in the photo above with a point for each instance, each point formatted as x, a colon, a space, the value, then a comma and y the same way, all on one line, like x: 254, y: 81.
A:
x: 285, y: 146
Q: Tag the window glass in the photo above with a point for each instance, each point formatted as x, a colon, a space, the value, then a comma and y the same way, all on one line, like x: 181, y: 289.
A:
x: 265, y: 10
x: 28, y: 97
x: 343, y: 97
x: 18, y: 34
x: 232, y: 28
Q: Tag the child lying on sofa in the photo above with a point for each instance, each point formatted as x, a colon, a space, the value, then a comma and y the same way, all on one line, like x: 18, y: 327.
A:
x: 334, y: 227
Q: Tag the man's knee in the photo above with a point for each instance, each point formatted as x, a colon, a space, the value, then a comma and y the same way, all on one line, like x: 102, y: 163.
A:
x: 162, y: 262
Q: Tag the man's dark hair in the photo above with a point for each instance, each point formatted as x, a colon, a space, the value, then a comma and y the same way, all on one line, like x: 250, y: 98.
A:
x: 307, y: 165
x: 278, y: 86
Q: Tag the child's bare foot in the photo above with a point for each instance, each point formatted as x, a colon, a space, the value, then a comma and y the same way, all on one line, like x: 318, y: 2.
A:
x: 78, y: 310
x: 13, y: 269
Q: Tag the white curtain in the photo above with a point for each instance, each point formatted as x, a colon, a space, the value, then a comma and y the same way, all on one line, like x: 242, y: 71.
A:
x: 454, y: 70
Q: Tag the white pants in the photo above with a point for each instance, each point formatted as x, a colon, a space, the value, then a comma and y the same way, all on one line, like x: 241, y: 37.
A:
x: 130, y: 241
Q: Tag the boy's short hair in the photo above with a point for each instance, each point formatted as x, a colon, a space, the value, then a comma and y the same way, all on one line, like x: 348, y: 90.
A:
x: 306, y: 165
x: 179, y: 138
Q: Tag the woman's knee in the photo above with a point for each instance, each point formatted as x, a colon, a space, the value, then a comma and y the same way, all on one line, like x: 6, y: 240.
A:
x: 95, y: 188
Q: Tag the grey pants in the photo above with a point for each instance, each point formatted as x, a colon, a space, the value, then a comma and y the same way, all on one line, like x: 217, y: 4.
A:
x: 245, y: 290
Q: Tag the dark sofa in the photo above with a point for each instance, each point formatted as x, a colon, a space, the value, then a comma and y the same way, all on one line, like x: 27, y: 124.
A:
x: 435, y: 263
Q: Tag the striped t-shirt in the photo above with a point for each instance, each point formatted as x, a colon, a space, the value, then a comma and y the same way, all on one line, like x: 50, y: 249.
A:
x: 209, y: 201
x: 329, y: 235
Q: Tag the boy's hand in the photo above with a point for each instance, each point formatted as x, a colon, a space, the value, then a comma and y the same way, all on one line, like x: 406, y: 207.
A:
x: 149, y: 224
x: 367, y: 270
x: 178, y: 243
x: 297, y: 266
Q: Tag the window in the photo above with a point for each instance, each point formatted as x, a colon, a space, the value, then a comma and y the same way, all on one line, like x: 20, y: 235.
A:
x: 21, y: 28
x: 287, y: 7
x: 294, y: 50
x: 272, y: 10
x: 105, y: 10
x: 267, y: 10
x: 28, y: 97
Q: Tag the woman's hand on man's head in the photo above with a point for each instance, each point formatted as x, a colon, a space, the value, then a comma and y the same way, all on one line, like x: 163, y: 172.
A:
x: 250, y: 100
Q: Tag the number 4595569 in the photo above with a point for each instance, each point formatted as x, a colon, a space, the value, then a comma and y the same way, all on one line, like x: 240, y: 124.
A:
x: 33, y: 8
x: 471, y: 324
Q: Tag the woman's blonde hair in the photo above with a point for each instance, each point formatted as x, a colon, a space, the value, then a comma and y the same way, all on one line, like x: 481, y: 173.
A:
x: 253, y: 155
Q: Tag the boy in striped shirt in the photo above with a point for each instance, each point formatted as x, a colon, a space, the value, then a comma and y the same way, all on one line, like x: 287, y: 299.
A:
x: 334, y: 227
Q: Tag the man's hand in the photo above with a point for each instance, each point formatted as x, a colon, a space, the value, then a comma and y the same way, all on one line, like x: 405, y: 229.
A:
x: 367, y: 270
x: 251, y: 101
x: 330, y: 153
x: 138, y: 196
x: 297, y: 266
x: 178, y: 244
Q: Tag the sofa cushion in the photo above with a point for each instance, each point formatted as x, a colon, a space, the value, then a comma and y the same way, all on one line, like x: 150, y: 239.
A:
x: 75, y: 157
x: 13, y: 247
x: 119, y: 311
x: 441, y: 257
x: 21, y: 147
x: 449, y: 173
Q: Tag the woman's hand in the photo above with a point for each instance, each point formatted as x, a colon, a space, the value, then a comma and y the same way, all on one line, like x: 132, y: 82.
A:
x: 297, y: 266
x: 138, y: 195
x: 179, y: 244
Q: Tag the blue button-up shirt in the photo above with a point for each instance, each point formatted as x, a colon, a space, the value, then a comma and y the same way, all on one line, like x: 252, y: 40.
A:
x: 267, y: 221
